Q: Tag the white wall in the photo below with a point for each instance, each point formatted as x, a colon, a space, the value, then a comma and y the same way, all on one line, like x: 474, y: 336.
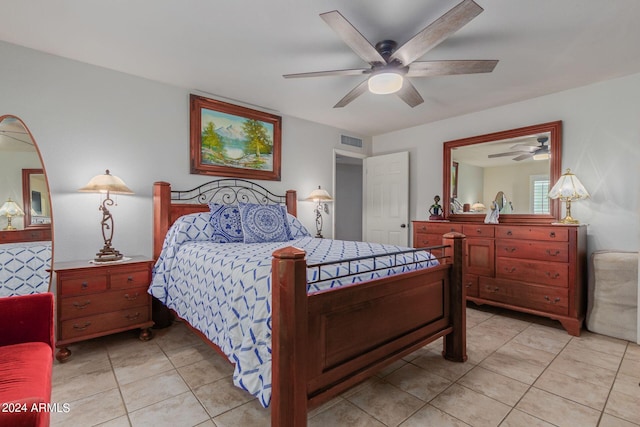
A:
x: 601, y: 144
x: 86, y: 119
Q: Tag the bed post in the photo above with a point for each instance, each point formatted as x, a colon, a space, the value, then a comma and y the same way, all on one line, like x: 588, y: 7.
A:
x: 289, y: 338
x: 455, y: 343
x: 161, y: 209
x: 292, y: 202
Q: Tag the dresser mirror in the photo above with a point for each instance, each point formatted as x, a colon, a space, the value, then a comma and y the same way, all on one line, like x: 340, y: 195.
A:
x: 513, y: 169
x: 25, y: 222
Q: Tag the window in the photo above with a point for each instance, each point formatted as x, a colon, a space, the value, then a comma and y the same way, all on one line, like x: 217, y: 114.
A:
x: 539, y: 194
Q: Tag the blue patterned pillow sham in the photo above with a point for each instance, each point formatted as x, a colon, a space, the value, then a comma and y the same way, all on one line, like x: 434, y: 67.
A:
x: 227, y: 227
x: 264, y: 223
x: 297, y: 229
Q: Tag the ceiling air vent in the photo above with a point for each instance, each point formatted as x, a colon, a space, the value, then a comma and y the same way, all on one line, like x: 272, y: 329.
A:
x: 350, y: 140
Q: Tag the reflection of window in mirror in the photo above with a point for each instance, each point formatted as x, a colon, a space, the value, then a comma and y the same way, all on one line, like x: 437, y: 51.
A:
x: 539, y: 190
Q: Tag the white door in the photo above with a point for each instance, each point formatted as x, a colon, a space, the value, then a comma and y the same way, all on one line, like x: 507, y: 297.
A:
x: 386, y: 216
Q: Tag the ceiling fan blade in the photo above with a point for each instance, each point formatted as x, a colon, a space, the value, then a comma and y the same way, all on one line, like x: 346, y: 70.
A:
x: 352, y: 72
x: 409, y: 94
x: 445, y: 68
x: 352, y: 37
x: 355, y: 92
x: 436, y: 32
x: 523, y: 157
x: 511, y: 153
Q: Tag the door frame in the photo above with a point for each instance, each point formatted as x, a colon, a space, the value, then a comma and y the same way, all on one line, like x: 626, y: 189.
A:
x: 338, y: 152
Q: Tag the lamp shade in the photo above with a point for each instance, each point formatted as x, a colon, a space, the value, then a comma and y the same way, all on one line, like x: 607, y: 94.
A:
x: 478, y: 207
x: 318, y: 195
x: 568, y: 187
x: 385, y: 83
x: 106, y: 183
x: 11, y: 208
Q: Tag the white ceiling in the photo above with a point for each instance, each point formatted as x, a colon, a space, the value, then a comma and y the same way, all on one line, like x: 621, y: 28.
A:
x: 238, y: 50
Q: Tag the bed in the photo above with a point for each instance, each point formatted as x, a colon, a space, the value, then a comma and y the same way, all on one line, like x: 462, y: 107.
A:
x: 317, y: 331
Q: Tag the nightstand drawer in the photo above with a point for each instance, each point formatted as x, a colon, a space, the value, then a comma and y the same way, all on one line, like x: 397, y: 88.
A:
x: 89, y: 325
x: 87, y: 305
x: 129, y: 279
x: 82, y: 285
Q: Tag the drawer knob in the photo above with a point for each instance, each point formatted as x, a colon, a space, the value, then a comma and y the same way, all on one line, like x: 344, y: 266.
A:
x: 132, y: 316
x: 552, y: 276
x: 552, y: 234
x: 81, y: 328
x: 130, y: 279
x: 467, y: 285
x: 555, y: 300
x: 510, y: 249
x: 131, y: 297
x: 478, y: 230
x: 552, y: 252
x: 509, y: 233
x: 510, y: 270
x: 490, y: 289
x: 423, y: 228
x: 81, y: 305
x: 84, y: 285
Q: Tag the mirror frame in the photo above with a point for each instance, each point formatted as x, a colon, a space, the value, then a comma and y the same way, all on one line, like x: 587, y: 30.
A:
x: 555, y: 171
x: 26, y: 197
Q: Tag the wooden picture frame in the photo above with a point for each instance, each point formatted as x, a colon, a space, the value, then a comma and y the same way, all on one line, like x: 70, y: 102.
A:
x: 234, y: 141
x: 454, y: 180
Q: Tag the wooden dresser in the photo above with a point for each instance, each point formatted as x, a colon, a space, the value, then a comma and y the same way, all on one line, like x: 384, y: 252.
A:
x: 539, y: 268
x: 93, y: 300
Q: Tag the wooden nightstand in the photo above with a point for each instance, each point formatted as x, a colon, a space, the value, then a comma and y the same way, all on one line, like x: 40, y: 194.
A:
x: 93, y: 300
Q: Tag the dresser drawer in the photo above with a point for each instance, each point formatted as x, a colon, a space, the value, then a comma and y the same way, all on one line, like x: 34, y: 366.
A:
x: 436, y: 227
x: 471, y: 230
x: 129, y: 279
x: 89, y: 325
x: 545, y: 273
x: 551, y: 234
x: 550, y: 299
x: 86, y: 305
x: 424, y: 240
x: 536, y: 250
x: 78, y: 285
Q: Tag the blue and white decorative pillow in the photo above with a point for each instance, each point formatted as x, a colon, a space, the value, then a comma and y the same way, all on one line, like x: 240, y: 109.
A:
x: 225, y: 220
x: 264, y: 223
x: 297, y: 229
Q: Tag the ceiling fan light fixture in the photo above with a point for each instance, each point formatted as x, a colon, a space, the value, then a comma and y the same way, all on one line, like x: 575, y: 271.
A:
x: 385, y: 83
x: 541, y: 156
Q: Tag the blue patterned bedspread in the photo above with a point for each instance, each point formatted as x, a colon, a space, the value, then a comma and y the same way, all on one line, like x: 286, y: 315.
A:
x: 224, y: 290
x: 23, y: 268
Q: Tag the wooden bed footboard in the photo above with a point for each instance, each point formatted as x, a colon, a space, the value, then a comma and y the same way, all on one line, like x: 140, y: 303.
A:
x: 326, y: 342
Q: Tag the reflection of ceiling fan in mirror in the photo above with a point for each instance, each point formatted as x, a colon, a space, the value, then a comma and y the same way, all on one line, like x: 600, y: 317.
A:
x: 539, y: 150
x: 389, y: 66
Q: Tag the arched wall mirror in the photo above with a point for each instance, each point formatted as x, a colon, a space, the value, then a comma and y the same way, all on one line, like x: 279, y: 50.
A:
x: 512, y: 169
x: 26, y: 244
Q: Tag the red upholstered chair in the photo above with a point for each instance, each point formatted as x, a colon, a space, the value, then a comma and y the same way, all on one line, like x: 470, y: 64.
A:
x: 26, y: 359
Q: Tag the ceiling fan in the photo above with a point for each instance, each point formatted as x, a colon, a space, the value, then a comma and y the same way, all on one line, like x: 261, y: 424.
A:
x: 539, y: 150
x: 389, y: 66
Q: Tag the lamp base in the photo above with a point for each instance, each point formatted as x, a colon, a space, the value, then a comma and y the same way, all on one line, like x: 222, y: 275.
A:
x: 9, y: 228
x: 108, y: 254
x: 568, y: 220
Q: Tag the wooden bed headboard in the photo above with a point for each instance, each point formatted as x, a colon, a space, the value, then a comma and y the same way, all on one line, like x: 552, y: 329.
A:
x: 169, y: 205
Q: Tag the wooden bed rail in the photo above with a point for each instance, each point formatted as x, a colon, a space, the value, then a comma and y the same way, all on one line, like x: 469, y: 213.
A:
x: 410, y: 310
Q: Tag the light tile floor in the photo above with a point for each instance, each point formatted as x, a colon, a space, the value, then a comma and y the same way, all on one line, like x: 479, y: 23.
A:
x: 522, y: 371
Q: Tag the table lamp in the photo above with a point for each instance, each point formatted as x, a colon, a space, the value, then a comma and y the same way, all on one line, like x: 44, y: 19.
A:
x: 108, y: 184
x: 10, y: 209
x: 319, y: 196
x: 567, y: 189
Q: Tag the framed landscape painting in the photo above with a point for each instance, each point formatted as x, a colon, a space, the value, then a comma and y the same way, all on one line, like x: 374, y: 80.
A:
x: 229, y: 140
